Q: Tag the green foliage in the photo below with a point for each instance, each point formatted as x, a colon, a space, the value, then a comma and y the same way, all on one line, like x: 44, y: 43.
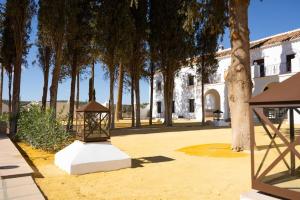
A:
x: 41, y: 130
x: 171, y: 44
x: 208, y: 27
x: 114, y: 31
x: 4, y: 117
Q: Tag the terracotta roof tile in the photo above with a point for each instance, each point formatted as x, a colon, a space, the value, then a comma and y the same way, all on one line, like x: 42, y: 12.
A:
x: 273, y: 40
x: 93, y: 106
x: 281, y: 93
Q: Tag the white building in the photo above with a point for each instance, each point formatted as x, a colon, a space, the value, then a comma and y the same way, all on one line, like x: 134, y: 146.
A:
x: 273, y: 59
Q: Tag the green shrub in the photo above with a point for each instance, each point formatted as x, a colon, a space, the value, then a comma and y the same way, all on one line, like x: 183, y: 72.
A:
x: 41, y: 130
x: 4, y: 117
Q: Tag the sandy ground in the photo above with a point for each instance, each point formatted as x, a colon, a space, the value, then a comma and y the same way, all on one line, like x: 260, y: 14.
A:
x: 163, y: 167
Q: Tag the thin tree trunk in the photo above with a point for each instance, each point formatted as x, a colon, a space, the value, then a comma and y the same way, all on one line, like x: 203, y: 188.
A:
x: 151, y: 92
x: 1, y: 87
x: 55, y: 79
x: 111, y: 93
x: 238, y: 75
x: 72, y: 93
x: 137, y: 102
x: 46, y: 78
x: 120, y: 93
x: 78, y: 88
x: 91, y: 84
x: 16, y: 93
x: 9, y: 91
x: 132, y: 102
x: 202, y: 90
x: 202, y: 103
x: 168, y: 97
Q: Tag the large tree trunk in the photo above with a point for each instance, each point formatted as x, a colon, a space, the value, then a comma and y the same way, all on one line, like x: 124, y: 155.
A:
x: 78, y: 89
x: 168, y: 97
x: 137, y: 102
x: 16, y: 93
x: 238, y: 75
x: 72, y: 93
x: 120, y: 93
x: 55, y: 79
x: 46, y: 78
x: 132, y: 103
x: 1, y: 87
x: 151, y: 92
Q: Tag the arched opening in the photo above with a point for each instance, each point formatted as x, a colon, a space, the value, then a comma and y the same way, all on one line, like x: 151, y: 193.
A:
x: 211, y: 103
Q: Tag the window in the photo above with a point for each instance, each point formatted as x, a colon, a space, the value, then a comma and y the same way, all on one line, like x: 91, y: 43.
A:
x: 158, y: 107
x: 191, y: 80
x: 261, y: 64
x: 191, y: 105
x: 158, y: 85
x: 173, y: 106
x: 289, y: 62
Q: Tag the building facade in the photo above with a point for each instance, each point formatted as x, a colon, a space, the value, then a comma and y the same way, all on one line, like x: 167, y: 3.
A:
x: 272, y: 60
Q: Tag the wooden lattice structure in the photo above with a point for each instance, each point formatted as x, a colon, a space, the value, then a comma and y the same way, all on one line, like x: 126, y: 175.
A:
x: 275, y: 158
x: 92, y: 122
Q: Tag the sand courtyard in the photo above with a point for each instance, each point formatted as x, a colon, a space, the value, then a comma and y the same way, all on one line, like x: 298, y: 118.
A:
x: 159, y: 171
x: 162, y: 167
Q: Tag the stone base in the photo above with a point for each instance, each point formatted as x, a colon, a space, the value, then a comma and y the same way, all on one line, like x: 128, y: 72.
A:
x: 220, y: 123
x: 82, y: 158
x: 255, y: 195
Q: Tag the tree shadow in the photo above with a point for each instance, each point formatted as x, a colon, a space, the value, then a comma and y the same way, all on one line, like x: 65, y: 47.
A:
x: 282, y: 177
x: 192, y: 126
x: 36, y: 172
x: 139, y: 162
x: 9, y: 167
x: 264, y: 147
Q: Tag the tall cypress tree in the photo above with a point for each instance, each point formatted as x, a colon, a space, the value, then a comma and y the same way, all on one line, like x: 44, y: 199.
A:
x: 209, y: 24
x: 78, y: 43
x: 114, y: 28
x: 45, y: 51
x: 54, y: 24
x: 20, y: 14
x: 172, y: 45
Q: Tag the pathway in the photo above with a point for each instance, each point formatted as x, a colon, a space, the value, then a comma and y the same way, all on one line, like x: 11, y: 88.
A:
x: 16, y: 181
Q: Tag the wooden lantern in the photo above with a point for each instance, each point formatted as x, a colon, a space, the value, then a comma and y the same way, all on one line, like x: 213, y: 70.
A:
x: 275, y: 166
x: 92, y: 122
x: 217, y: 115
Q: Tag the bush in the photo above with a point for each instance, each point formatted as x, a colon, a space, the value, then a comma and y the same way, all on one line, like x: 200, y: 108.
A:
x: 4, y: 117
x: 41, y: 130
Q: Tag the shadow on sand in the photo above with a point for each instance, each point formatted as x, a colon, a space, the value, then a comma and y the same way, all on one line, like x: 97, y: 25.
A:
x: 139, y: 162
x: 36, y: 172
x: 147, y: 129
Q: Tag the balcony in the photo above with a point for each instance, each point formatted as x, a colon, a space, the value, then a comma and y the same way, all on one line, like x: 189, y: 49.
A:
x: 215, y: 78
x: 274, y: 69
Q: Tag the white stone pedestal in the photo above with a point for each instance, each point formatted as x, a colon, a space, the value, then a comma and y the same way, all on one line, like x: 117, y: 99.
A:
x: 81, y: 158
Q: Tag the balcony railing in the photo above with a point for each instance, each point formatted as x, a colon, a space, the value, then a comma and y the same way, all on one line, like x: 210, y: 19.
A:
x: 274, y: 69
x: 215, y: 78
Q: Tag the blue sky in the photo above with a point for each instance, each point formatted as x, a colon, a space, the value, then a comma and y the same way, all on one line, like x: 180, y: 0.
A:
x: 266, y: 18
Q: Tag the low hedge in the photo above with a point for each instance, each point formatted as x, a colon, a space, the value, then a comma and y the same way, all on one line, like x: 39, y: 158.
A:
x: 41, y: 129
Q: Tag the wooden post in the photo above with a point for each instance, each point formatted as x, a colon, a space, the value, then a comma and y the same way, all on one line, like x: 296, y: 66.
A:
x: 292, y: 139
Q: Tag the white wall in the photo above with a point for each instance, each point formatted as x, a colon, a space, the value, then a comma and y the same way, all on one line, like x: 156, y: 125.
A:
x: 275, y: 70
